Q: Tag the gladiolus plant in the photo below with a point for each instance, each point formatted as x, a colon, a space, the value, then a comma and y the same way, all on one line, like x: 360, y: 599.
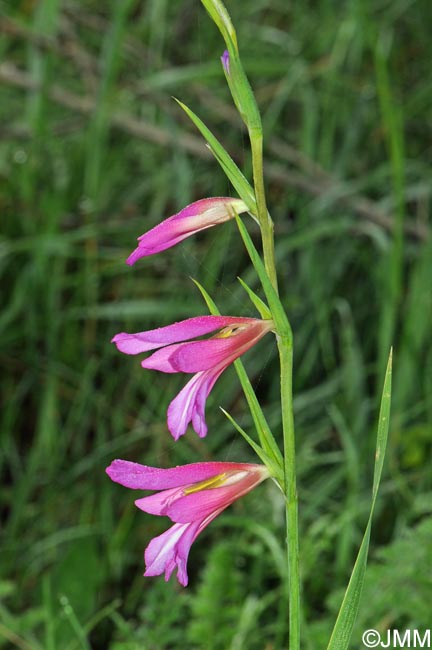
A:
x: 191, y: 496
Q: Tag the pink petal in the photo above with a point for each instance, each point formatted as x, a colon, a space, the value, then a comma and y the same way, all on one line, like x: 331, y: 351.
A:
x: 163, y: 238
x: 181, y: 331
x: 196, y: 506
x: 198, y: 412
x: 180, y: 410
x: 142, y: 477
x: 162, y: 359
x: 182, y: 508
x: 189, y: 405
x: 171, y: 549
x: 214, y: 208
x: 189, y: 357
x: 197, y: 216
x: 203, y: 355
x: 159, y: 503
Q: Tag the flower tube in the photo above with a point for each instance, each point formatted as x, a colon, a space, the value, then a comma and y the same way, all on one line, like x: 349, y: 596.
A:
x: 197, y: 216
x: 191, y: 496
x: 206, y: 358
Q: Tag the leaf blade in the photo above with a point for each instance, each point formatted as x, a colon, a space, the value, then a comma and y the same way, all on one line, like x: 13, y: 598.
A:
x: 235, y: 176
x: 343, y: 627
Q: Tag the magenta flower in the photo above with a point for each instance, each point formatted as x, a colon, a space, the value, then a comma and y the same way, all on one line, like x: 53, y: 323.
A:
x: 208, y: 358
x: 191, y: 496
x: 193, y: 218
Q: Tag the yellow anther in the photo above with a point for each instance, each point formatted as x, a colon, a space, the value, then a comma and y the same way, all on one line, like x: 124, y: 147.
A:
x: 210, y: 483
x: 226, y: 332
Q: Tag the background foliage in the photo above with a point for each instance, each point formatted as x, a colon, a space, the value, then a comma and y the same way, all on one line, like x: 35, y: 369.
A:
x: 93, y: 152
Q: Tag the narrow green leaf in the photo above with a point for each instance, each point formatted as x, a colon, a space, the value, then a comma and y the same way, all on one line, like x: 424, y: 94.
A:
x: 259, y: 304
x: 275, y: 469
x: 211, y: 305
x: 278, y: 313
x: 342, y: 630
x: 264, y: 432
x: 235, y: 176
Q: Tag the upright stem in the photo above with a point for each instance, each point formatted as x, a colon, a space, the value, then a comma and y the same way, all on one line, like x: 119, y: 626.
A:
x: 266, y: 223
x: 285, y: 345
x: 286, y: 367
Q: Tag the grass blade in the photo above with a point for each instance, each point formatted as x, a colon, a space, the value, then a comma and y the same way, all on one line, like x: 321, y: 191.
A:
x: 276, y: 468
x: 259, y: 304
x: 342, y: 630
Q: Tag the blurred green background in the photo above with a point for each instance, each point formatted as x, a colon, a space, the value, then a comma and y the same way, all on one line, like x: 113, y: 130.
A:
x: 93, y: 152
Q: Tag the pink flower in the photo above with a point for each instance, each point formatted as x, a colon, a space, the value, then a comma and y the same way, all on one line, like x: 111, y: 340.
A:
x: 191, y: 496
x: 208, y: 358
x: 193, y: 218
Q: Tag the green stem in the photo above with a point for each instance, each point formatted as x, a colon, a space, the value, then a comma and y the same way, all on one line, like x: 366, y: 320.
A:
x: 286, y: 366
x: 265, y: 221
x: 285, y: 345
